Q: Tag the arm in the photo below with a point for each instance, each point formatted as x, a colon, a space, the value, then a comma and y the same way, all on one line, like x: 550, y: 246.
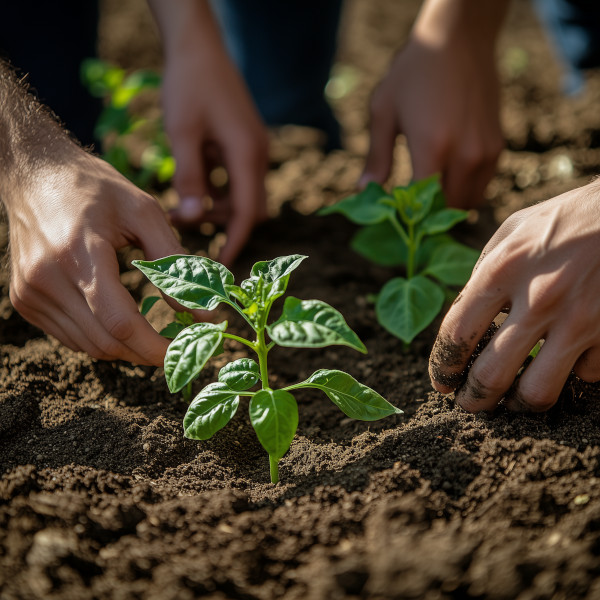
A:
x: 442, y: 92
x: 211, y: 120
x: 68, y: 213
x: 544, y: 264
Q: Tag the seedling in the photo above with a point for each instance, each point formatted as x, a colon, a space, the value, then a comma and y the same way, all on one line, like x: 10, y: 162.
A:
x: 408, y: 228
x: 201, y: 283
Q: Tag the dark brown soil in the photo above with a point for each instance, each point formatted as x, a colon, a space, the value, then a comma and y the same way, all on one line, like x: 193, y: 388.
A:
x: 101, y: 496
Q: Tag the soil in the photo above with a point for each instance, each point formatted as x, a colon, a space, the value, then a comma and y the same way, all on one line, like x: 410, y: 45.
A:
x: 101, y: 496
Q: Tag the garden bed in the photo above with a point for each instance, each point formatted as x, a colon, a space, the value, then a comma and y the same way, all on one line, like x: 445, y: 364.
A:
x: 102, y: 497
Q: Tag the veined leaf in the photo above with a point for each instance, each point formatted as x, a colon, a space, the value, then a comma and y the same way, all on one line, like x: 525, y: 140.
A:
x: 312, y: 324
x: 189, y: 351
x: 240, y: 374
x: 406, y: 306
x: 272, y: 270
x: 210, y: 411
x: 353, y: 398
x: 452, y: 263
x: 274, y: 416
x: 262, y: 291
x: 365, y: 207
x: 196, y: 282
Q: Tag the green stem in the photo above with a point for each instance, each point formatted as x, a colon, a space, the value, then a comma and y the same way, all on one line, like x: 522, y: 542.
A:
x: 241, y: 340
x: 187, y: 392
x: 274, y: 467
x: 399, y: 229
x: 412, y: 250
x: 262, y: 350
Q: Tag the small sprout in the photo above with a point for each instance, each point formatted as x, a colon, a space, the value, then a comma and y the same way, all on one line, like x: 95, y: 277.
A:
x: 408, y: 227
x: 201, y: 283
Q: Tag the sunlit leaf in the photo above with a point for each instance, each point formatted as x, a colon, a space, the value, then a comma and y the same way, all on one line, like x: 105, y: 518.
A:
x: 210, y: 411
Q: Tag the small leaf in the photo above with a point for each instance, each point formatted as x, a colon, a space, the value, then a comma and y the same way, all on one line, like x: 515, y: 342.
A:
x: 240, y: 374
x: 416, y: 200
x: 185, y: 318
x: 442, y: 221
x: 210, y: 411
x: 172, y: 330
x: 196, y: 282
x: 452, y: 263
x: 274, y: 416
x: 354, y: 399
x: 261, y: 291
x: 312, y: 324
x: 189, y: 351
x: 272, y: 270
x: 380, y: 244
x: 406, y: 306
x: 365, y: 207
x: 148, y: 303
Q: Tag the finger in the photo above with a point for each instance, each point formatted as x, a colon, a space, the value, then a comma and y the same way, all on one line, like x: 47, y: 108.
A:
x: 587, y: 366
x: 383, y: 129
x: 464, y: 181
x: 496, y: 368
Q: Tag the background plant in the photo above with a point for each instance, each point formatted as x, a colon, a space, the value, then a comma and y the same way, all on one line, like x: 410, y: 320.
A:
x: 201, y: 283
x: 123, y: 125
x: 408, y: 227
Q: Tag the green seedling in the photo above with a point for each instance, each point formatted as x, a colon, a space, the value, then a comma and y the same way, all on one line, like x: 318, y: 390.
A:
x: 201, y: 283
x: 408, y: 227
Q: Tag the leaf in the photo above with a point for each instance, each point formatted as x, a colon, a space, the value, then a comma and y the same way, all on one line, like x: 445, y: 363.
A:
x: 210, y: 411
x: 442, y: 220
x: 261, y: 291
x: 380, y: 244
x: 312, y: 324
x: 148, y: 303
x: 416, y: 200
x: 365, y: 207
x: 406, y: 306
x: 189, y: 351
x: 194, y: 281
x: 272, y: 270
x: 274, y: 416
x: 240, y: 374
x: 172, y: 330
x: 353, y: 398
x: 452, y: 263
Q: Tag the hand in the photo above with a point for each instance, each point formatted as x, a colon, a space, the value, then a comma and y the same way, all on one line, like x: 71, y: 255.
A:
x: 442, y: 93
x: 211, y: 121
x: 65, y: 228
x: 544, y: 264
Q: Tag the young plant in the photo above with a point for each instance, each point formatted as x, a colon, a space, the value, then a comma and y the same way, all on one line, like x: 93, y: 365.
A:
x: 200, y: 283
x: 407, y: 227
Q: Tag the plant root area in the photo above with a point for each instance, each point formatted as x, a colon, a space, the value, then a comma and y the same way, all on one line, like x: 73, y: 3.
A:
x: 101, y: 496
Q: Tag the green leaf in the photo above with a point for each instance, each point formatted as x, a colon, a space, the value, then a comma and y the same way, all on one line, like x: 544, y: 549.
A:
x: 452, y: 263
x: 442, y: 220
x: 416, y: 200
x: 185, y: 318
x: 312, y: 324
x: 365, y: 207
x: 274, y: 416
x: 189, y: 351
x: 261, y: 291
x: 210, y: 411
x: 196, y: 282
x: 240, y: 374
x: 406, y: 306
x: 272, y: 270
x: 172, y: 330
x: 380, y: 244
x: 148, y: 303
x: 353, y: 398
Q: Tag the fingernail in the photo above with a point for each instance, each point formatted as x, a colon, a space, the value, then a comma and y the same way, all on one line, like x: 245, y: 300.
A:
x: 190, y: 208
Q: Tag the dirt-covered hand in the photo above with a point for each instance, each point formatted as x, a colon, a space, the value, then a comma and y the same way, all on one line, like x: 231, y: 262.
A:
x: 211, y: 121
x: 65, y: 227
x: 543, y: 264
x: 441, y: 92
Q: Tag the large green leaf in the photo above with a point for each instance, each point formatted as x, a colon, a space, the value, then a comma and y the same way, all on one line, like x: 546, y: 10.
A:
x: 365, y: 207
x: 442, y: 220
x: 380, y: 244
x: 189, y: 351
x: 272, y: 270
x: 241, y: 374
x: 194, y: 281
x: 355, y: 399
x: 274, y: 416
x: 210, y: 411
x: 406, y: 306
x: 452, y: 263
x: 312, y: 324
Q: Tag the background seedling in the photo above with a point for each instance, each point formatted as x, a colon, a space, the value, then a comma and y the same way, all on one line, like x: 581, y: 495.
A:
x: 408, y: 227
x: 201, y: 283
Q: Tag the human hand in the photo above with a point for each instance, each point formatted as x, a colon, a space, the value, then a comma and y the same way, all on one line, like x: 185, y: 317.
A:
x: 211, y: 121
x: 65, y: 227
x: 543, y: 263
x: 441, y: 92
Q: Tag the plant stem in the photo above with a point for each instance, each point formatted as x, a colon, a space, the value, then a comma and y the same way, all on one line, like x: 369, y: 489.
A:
x: 239, y: 339
x: 187, y: 392
x: 261, y: 350
x: 412, y: 247
x: 274, y: 468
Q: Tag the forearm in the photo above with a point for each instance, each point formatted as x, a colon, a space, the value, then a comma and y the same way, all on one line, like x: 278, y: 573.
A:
x: 31, y: 139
